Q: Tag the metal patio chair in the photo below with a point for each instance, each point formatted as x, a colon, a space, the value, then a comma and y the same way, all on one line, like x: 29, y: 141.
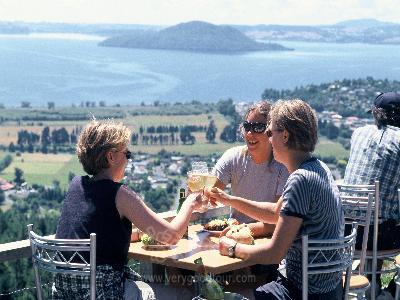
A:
x: 63, y: 256
x: 374, y: 254
x: 397, y: 262
x: 358, y: 203
x: 322, y: 256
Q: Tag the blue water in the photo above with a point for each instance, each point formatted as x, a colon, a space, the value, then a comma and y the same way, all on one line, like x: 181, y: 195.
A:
x: 68, y: 71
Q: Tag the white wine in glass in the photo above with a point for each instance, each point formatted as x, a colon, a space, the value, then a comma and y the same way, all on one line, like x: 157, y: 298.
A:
x: 208, y: 179
x: 195, y: 181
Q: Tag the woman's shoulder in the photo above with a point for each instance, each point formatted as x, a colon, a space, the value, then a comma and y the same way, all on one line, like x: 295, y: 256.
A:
x: 125, y: 193
x: 236, y: 151
x: 233, y: 155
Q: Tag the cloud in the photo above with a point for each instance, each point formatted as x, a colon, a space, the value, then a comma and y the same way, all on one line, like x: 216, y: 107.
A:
x: 216, y: 11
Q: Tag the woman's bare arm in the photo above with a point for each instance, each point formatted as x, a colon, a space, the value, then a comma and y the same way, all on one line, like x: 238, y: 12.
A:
x: 131, y: 206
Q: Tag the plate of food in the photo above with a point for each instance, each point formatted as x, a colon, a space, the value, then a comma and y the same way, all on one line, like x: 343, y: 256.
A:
x: 215, y: 227
x: 151, y: 244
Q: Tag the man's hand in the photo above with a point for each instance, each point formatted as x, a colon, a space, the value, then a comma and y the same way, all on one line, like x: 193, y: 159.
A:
x: 224, y: 244
x: 217, y: 195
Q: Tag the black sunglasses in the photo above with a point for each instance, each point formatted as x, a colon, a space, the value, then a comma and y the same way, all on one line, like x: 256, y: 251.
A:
x: 255, y: 127
x: 128, y: 154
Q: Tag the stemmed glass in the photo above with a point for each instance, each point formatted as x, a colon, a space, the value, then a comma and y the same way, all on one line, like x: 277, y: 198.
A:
x: 199, y: 177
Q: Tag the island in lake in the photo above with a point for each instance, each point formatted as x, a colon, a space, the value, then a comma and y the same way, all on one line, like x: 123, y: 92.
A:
x: 192, y: 36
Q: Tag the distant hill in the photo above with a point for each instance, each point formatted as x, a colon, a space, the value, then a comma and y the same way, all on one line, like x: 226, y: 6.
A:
x: 364, y: 23
x: 201, y: 36
x: 106, y: 30
x: 12, y: 28
x: 352, y: 31
x: 192, y: 36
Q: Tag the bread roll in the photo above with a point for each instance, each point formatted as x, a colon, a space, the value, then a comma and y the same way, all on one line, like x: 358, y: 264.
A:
x: 241, y: 234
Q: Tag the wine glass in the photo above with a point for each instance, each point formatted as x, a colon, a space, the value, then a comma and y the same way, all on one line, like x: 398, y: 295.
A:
x: 200, y: 178
x: 209, y: 180
x: 196, y: 180
x: 199, y: 166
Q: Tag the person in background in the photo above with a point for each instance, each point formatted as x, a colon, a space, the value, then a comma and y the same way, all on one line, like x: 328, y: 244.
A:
x: 253, y: 173
x: 310, y: 205
x: 100, y: 204
x: 375, y: 155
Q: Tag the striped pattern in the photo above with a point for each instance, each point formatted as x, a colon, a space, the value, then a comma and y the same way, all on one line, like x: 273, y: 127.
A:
x: 375, y: 155
x: 258, y: 182
x: 311, y: 194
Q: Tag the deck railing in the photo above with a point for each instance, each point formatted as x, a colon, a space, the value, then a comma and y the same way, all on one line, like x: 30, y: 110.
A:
x: 21, y: 249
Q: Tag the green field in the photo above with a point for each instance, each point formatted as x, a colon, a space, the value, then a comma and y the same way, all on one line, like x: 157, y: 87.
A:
x: 44, y: 168
x: 327, y: 148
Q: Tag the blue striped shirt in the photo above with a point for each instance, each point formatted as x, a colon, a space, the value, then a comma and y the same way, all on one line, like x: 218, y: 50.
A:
x: 311, y: 194
x: 375, y: 155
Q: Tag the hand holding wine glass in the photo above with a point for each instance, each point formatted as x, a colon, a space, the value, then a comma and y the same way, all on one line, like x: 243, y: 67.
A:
x: 199, y: 178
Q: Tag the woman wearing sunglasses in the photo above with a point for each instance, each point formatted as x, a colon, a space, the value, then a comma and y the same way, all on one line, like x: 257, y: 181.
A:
x: 310, y: 204
x: 253, y: 172
x: 101, y: 204
x: 251, y: 169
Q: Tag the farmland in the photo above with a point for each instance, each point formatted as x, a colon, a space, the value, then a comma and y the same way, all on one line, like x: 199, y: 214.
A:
x: 43, y: 169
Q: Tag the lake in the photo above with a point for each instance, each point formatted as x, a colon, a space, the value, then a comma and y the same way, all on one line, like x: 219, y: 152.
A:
x: 69, y: 69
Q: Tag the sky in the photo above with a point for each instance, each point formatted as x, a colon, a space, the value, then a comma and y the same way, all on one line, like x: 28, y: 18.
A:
x: 169, y: 12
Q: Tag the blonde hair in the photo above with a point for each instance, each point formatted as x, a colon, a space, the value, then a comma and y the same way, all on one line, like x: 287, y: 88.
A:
x: 300, y: 120
x: 96, y: 139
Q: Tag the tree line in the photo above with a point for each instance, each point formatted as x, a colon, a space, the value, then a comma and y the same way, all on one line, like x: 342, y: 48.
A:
x: 156, y: 135
x: 348, y: 97
x: 47, y: 141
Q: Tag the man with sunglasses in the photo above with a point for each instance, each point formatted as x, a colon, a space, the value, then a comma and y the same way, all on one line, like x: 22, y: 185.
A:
x: 252, y: 172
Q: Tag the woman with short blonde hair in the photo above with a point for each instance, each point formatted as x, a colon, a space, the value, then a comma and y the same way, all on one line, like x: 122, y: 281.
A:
x: 101, y: 204
x: 96, y: 140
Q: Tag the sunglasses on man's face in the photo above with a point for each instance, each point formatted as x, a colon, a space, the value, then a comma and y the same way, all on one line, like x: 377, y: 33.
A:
x: 255, y: 127
x: 128, y: 154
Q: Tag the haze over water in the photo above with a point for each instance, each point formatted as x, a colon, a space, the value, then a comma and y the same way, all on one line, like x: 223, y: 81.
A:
x: 73, y: 69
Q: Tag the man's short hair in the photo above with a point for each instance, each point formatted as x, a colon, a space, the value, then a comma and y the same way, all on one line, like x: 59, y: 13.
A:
x: 300, y: 120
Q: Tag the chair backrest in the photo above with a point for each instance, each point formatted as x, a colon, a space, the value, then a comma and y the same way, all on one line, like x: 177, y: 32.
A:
x: 398, y: 192
x: 63, y: 256
x: 361, y: 204
x: 322, y: 256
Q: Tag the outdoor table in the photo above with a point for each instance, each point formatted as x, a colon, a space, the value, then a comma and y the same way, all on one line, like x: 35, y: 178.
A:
x: 186, y: 251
